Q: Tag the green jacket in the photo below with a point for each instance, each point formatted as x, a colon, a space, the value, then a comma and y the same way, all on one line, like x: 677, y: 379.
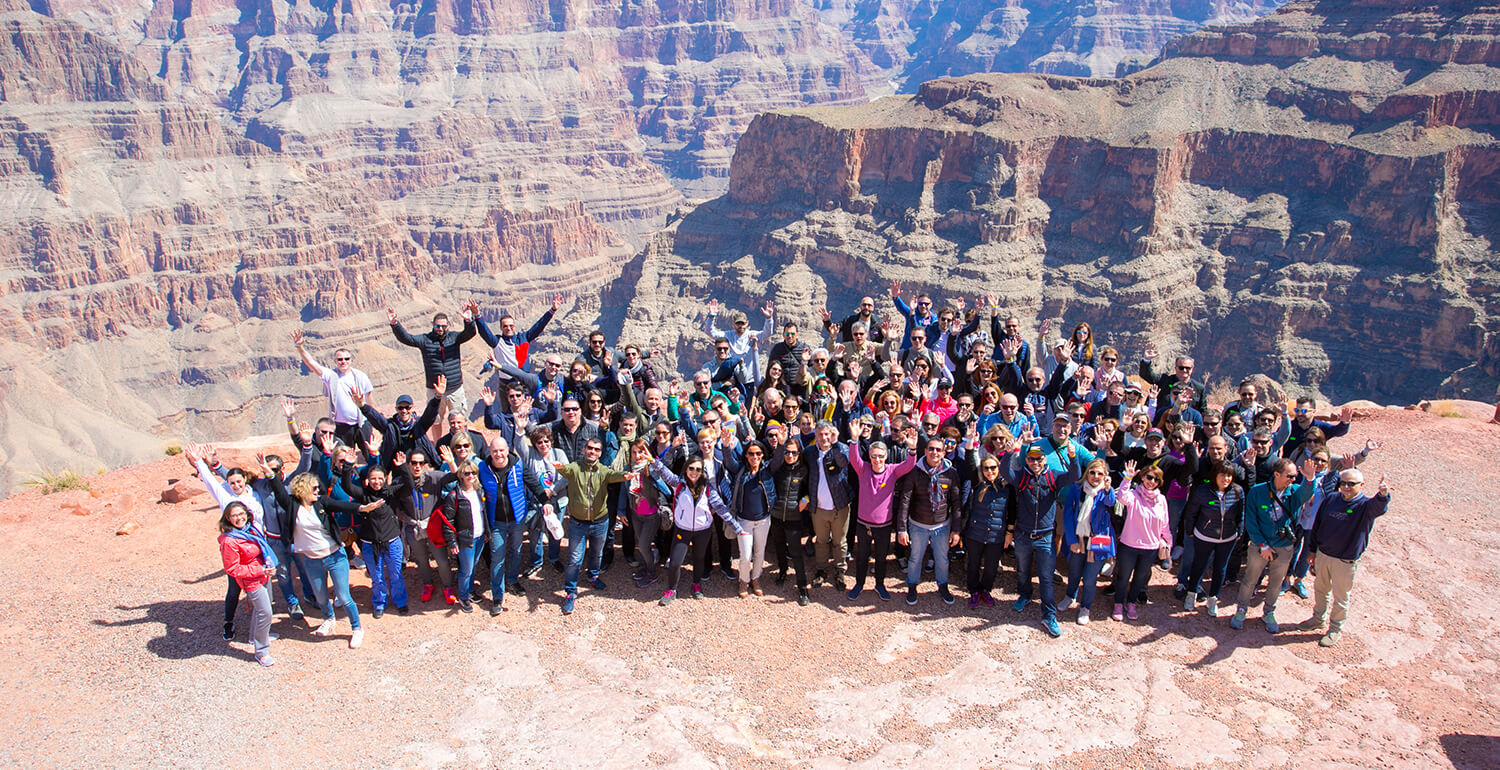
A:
x: 588, y: 493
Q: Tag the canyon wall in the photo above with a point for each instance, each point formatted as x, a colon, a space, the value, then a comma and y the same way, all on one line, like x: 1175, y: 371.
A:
x: 1312, y: 195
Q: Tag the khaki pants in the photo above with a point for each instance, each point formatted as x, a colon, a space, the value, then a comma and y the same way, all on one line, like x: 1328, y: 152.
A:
x: 830, y: 527
x: 1254, y: 563
x: 1336, y: 577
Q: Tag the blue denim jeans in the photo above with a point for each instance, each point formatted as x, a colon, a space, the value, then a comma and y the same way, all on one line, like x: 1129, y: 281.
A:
x: 1083, y: 577
x: 466, y: 559
x: 284, y: 583
x: 921, y: 537
x: 1301, y: 557
x: 1034, y: 556
x: 579, y: 534
x: 336, y: 567
x: 505, y: 557
x: 387, y: 581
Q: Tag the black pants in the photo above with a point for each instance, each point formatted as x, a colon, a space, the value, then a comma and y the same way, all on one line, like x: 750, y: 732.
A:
x: 867, y: 539
x: 231, y: 602
x: 1132, y: 573
x: 1202, y: 551
x: 688, y: 548
x: 355, y: 436
x: 786, y: 539
x: 981, y: 564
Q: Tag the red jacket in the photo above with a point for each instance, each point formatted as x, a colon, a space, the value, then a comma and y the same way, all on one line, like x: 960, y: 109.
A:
x: 243, y: 562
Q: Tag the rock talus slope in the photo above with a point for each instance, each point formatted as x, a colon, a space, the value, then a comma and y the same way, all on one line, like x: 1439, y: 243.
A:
x: 1312, y: 195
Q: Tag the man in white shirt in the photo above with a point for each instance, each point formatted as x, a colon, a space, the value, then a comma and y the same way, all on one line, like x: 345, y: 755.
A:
x: 339, y: 385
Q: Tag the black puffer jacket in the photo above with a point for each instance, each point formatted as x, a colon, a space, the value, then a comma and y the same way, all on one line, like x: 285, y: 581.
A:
x: 439, y: 352
x: 1217, y: 519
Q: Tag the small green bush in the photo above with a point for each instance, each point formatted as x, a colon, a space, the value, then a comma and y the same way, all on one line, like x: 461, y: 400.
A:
x: 174, y: 449
x: 50, y: 481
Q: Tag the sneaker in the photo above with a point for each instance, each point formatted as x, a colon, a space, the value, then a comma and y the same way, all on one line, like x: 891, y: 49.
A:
x: 265, y: 660
x: 357, y: 638
x: 567, y: 605
x: 1020, y: 604
x: 697, y: 590
x: 989, y: 601
x: 518, y: 588
x: 426, y: 593
x: 296, y: 612
x: 1238, y: 621
x: 781, y: 578
x: 531, y: 571
x: 403, y: 611
x: 1329, y: 639
x: 1301, y: 589
x: 1212, y: 606
x: 378, y: 613
x: 650, y: 579
x: 496, y: 609
x: 1065, y: 604
x: 729, y: 574
x: 1053, y: 629
x: 1083, y: 616
x: 667, y: 597
x: 880, y: 591
x: 1272, y: 627
x: 856, y: 591
x: 911, y: 595
x: 358, y: 562
x: 597, y: 584
x: 944, y: 593
x: 1177, y: 552
x: 1179, y: 591
x: 324, y: 629
x: 1131, y: 612
x: 1119, y: 612
x: 1286, y: 585
x: 633, y: 562
x: 466, y: 605
x: 819, y: 579
x: 802, y: 598
x: 449, y: 597
x: 1313, y: 623
x: 973, y: 602
x: 229, y: 632
x: 557, y: 565
x: 1189, y: 602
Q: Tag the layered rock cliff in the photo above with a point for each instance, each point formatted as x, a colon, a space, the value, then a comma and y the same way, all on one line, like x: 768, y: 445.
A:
x: 1311, y: 195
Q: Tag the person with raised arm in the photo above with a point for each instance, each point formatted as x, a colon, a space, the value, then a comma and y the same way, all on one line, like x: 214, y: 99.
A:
x: 440, y: 356
x: 250, y: 562
x: 233, y: 488
x: 1271, y: 526
x: 402, y: 432
x: 510, y: 349
x: 317, y: 544
x: 875, y: 520
x: 1037, y: 491
x: 341, y: 383
x: 743, y: 342
x: 918, y: 316
x: 588, y: 516
x: 1340, y: 535
x: 695, y: 502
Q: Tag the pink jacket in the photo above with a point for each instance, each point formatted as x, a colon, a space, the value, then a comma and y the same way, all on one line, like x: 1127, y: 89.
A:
x: 243, y: 562
x: 1147, y: 525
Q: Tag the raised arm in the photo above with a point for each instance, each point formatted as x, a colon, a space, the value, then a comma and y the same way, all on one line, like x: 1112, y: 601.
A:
x: 398, y: 330
x: 307, y: 358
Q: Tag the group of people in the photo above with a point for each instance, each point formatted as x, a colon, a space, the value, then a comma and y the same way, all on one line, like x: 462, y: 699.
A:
x: 929, y: 436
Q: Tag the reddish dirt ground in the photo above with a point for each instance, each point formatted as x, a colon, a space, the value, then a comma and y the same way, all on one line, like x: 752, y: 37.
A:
x: 116, y: 658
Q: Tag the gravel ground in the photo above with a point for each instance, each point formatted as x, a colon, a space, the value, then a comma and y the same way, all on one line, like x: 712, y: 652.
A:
x: 116, y: 660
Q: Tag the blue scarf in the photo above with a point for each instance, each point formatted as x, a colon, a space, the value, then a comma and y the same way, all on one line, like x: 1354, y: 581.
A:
x: 256, y: 536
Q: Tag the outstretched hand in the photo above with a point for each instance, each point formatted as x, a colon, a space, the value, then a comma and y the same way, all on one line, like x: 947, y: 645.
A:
x: 297, y: 337
x: 557, y: 300
x: 390, y: 315
x: 288, y: 408
x: 441, y: 386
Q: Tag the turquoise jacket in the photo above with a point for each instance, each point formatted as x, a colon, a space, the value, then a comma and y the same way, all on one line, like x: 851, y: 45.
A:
x: 1265, y: 518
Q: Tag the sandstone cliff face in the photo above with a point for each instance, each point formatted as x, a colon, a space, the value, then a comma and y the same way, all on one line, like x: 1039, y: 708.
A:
x: 1312, y: 195
x: 181, y: 183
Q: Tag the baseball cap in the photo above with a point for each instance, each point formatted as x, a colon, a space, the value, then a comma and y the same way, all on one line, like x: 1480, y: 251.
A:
x: 1155, y: 433
x: 400, y: 400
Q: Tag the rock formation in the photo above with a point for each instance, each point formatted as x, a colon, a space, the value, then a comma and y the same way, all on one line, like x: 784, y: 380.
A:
x: 1311, y: 195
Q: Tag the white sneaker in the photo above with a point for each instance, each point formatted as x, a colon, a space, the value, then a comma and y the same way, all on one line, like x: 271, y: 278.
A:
x: 357, y: 638
x: 1213, y: 606
x: 1083, y: 616
x: 324, y: 629
x: 1190, y: 602
x: 273, y: 636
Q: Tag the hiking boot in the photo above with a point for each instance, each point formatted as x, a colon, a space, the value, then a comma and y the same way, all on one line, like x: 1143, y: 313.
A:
x: 1329, y: 639
x: 756, y: 589
x: 744, y: 589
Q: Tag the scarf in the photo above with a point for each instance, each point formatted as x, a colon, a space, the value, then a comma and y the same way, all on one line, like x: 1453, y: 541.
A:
x: 1085, y: 512
x: 257, y: 537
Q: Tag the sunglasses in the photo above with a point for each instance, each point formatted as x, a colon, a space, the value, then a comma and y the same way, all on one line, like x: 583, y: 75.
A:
x: 990, y: 467
x: 343, y: 358
x: 570, y: 409
x: 1110, y: 359
x: 1348, y: 483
